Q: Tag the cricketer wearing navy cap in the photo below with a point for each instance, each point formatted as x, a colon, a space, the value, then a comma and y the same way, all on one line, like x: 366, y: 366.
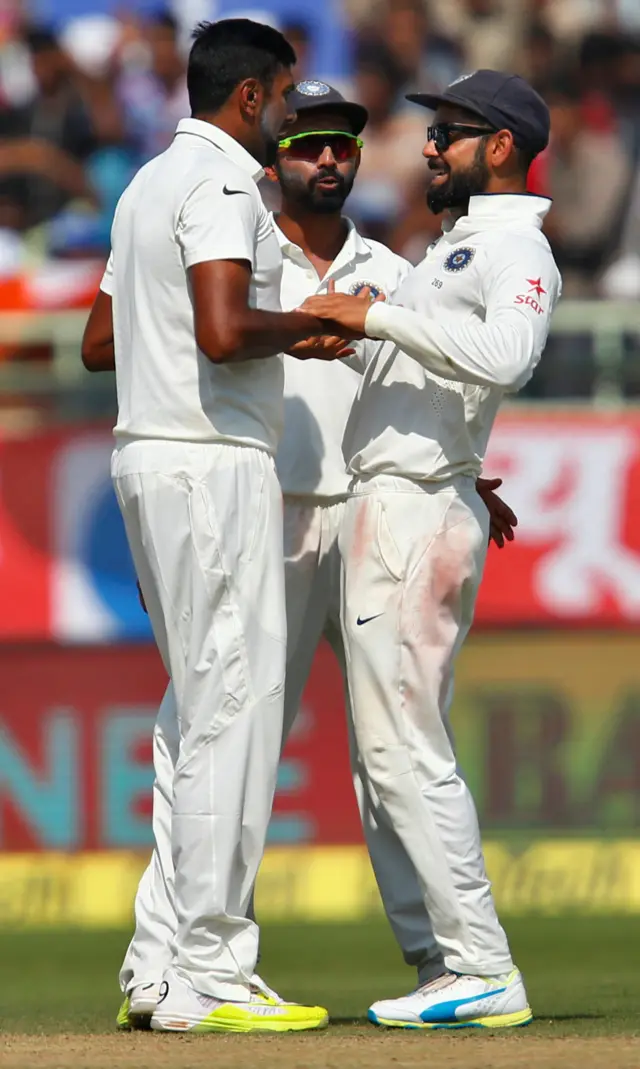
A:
x: 467, y: 326
x: 504, y: 101
x: 318, y: 96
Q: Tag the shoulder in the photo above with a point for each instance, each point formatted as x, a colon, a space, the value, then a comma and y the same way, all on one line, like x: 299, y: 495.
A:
x: 516, y: 245
x: 522, y: 253
x: 391, y: 267
x: 192, y: 162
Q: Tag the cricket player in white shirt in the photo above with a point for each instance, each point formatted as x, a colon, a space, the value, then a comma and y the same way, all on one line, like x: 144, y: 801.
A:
x: 467, y: 326
x: 189, y: 307
x: 316, y: 166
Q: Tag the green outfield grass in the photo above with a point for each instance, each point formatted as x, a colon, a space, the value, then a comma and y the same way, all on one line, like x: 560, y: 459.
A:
x: 583, y: 975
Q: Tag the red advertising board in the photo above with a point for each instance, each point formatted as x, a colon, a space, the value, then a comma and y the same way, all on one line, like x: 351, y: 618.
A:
x: 573, y: 479
x: 75, y: 751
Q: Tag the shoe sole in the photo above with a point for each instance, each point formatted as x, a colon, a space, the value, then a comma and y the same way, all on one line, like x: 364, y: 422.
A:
x: 222, y: 1024
x: 505, y: 1020
x: 135, y: 1022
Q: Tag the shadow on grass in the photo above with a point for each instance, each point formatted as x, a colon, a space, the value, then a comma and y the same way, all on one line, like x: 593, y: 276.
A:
x: 553, y: 1017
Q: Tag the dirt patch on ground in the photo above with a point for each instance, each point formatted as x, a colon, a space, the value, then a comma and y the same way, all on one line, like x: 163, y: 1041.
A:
x: 326, y: 1051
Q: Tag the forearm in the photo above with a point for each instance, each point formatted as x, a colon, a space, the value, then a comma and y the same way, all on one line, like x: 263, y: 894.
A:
x: 255, y: 334
x: 498, y: 354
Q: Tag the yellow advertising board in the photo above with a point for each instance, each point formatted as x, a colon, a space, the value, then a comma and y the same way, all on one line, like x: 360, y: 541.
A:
x: 96, y: 890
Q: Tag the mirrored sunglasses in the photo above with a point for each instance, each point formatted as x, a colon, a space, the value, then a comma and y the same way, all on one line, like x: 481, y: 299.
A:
x: 311, y: 145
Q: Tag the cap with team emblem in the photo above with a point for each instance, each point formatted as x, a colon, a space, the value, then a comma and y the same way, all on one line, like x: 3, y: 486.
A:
x: 314, y: 96
x: 505, y: 101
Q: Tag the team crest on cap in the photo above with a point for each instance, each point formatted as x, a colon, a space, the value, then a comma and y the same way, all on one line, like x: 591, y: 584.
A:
x: 313, y: 89
x: 376, y: 290
x: 459, y: 259
x: 461, y: 78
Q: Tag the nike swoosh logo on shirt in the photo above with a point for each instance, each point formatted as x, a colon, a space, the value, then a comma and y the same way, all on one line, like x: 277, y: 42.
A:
x: 232, y: 192
x: 360, y: 621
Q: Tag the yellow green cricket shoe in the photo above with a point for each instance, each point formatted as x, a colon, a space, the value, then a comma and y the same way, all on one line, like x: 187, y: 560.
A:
x: 138, y: 1006
x: 181, y: 1009
x: 458, y: 1001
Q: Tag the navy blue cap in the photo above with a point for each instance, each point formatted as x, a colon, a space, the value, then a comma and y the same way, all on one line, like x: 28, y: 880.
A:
x: 313, y: 96
x: 505, y: 101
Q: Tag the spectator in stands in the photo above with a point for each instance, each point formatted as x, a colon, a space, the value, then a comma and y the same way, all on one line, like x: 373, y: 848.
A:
x: 490, y: 32
x: 428, y: 61
x: 154, y: 98
x: 540, y: 57
x: 46, y: 141
x: 298, y: 36
x: 587, y: 173
x: 392, y: 165
x: 627, y: 94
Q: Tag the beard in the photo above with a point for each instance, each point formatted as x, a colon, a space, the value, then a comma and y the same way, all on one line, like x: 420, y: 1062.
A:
x: 269, y: 138
x: 312, y: 197
x: 460, y: 185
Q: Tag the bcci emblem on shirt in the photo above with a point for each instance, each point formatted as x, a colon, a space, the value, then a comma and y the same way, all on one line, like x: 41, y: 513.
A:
x: 459, y: 259
x: 376, y: 291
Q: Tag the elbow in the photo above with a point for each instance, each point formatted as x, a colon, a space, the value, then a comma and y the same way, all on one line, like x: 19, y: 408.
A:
x: 90, y: 357
x: 98, y: 357
x: 512, y: 376
x: 220, y: 346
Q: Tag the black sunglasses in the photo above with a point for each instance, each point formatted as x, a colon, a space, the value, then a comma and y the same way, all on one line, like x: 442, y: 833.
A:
x: 443, y: 133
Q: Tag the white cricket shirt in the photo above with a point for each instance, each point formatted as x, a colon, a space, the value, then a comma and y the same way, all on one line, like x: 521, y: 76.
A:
x: 196, y: 202
x: 318, y: 394
x: 467, y: 326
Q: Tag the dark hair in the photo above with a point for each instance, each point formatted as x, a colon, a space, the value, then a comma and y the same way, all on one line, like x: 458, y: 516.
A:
x: 40, y: 39
x: 563, y: 88
x: 163, y: 20
x: 225, y: 53
x: 296, y: 28
x: 524, y: 157
x: 373, y: 57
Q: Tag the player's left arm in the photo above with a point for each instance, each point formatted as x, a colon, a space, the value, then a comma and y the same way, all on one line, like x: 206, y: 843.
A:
x: 520, y: 285
x: 98, y: 352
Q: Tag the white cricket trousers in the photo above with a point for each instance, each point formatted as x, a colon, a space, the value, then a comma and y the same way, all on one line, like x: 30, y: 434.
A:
x: 312, y: 589
x: 204, y: 524
x: 313, y: 569
x: 413, y: 558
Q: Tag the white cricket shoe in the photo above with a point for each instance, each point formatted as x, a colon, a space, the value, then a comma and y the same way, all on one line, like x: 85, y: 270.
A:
x: 458, y: 1001
x: 138, y: 1006
x: 181, y: 1009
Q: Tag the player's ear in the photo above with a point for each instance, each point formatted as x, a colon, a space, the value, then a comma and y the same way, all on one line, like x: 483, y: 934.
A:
x: 270, y: 173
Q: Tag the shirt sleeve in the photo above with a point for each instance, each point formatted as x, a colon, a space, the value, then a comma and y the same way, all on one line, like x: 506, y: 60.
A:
x: 521, y: 286
x: 214, y: 225
x: 106, y: 285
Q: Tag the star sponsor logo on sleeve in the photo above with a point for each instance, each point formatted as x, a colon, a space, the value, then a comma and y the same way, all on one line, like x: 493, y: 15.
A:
x: 363, y: 284
x: 532, y: 297
x: 459, y: 259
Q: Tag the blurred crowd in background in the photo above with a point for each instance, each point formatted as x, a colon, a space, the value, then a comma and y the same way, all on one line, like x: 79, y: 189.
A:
x: 90, y: 89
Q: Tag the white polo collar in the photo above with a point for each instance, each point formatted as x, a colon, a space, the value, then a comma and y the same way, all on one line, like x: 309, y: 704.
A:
x: 354, y: 247
x: 223, y: 141
x: 489, y: 210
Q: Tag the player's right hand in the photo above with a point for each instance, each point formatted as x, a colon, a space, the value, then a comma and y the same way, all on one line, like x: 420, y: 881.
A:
x: 322, y: 347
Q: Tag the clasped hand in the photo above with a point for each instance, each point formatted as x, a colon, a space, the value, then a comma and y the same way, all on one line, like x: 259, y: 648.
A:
x: 344, y: 315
